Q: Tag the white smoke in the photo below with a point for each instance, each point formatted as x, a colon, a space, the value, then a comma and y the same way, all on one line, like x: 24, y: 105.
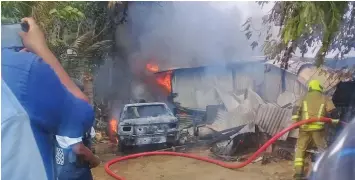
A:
x: 175, y: 35
x: 184, y: 34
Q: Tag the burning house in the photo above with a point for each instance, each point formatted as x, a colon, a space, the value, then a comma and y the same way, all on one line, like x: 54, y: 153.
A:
x: 194, y: 89
x: 218, y: 96
x: 227, y: 96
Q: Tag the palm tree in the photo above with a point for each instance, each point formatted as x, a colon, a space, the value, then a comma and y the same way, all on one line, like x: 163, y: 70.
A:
x: 76, y: 32
x: 83, y: 56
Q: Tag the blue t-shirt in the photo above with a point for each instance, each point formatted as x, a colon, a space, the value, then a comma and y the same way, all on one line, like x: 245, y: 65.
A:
x: 52, y: 109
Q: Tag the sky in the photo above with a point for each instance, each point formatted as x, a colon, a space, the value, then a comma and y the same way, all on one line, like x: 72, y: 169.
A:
x: 252, y: 9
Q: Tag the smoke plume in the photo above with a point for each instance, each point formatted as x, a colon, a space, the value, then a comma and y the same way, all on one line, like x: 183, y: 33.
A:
x: 172, y: 35
x: 185, y: 34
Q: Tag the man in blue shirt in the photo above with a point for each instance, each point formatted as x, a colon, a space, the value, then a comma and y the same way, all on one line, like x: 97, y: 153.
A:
x: 53, y: 102
x: 73, y: 168
x: 20, y: 157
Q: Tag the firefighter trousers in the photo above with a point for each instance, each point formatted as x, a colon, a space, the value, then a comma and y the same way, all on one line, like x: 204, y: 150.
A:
x: 303, y: 142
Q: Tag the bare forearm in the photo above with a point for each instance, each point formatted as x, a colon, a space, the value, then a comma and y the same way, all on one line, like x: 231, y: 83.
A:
x: 86, y: 153
x: 50, y: 59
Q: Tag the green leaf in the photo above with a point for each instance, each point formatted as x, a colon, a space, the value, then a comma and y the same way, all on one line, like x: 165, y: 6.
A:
x: 83, y: 41
x: 64, y: 14
x: 81, y: 14
x: 68, y: 8
x: 52, y: 11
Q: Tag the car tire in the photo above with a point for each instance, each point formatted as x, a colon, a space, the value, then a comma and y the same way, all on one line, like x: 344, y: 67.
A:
x: 121, y: 148
x: 173, y: 143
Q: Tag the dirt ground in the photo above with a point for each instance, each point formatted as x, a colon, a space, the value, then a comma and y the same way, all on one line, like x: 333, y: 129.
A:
x: 179, y: 168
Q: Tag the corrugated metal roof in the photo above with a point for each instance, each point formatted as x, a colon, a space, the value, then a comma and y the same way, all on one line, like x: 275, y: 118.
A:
x: 286, y: 98
x: 243, y: 114
x: 295, y: 65
x: 228, y: 100
x: 305, y: 70
x: 254, y: 98
x: 269, y: 118
x: 234, y: 64
x: 322, y: 74
x: 188, y: 120
x: 272, y: 119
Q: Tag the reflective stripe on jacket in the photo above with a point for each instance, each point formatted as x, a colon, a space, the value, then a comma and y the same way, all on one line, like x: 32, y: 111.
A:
x: 313, y: 105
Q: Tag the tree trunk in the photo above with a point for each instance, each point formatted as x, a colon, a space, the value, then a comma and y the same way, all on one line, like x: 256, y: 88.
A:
x: 88, y: 87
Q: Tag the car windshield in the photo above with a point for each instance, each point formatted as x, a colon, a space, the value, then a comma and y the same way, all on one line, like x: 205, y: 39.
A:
x: 134, y: 112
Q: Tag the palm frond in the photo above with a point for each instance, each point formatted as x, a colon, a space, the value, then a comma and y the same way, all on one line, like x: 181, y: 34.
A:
x: 84, y: 41
x: 98, y: 48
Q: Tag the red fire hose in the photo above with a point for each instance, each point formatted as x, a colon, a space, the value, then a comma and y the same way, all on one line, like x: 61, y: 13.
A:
x: 213, y: 161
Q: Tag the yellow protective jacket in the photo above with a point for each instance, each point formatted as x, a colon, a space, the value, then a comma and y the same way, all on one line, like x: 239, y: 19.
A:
x: 314, y: 104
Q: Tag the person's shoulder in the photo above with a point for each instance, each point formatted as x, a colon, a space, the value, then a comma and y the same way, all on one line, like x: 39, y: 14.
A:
x: 19, y: 60
x: 10, y: 106
x: 80, y: 104
x: 17, y: 67
x: 83, y: 110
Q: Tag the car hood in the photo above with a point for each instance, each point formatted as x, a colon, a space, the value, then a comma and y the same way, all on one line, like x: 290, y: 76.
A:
x: 149, y: 120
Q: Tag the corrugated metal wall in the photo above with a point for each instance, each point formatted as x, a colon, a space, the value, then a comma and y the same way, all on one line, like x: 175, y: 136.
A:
x: 242, y: 115
x: 272, y: 119
x: 196, y: 87
x: 273, y: 85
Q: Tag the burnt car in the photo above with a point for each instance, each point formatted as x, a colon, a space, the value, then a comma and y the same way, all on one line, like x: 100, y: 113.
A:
x: 146, y: 124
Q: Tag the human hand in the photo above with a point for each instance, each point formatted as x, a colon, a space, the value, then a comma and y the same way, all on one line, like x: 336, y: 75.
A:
x: 33, y: 40
x: 95, y: 162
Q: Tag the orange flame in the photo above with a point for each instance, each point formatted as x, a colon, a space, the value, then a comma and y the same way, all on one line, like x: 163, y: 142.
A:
x: 152, y: 67
x: 164, y: 79
x: 113, y: 130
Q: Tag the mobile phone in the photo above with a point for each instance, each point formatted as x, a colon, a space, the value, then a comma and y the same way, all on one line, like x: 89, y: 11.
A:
x: 10, y: 37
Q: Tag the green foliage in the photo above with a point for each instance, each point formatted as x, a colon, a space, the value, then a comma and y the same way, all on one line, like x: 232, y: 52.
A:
x: 301, y: 24
x: 64, y: 22
x: 44, y: 11
x: 82, y: 26
x: 5, y: 20
x: 16, y: 9
x: 67, y: 13
x: 86, y: 46
x: 300, y: 17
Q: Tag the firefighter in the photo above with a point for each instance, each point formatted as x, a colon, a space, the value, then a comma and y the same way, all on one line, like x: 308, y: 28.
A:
x: 313, y: 105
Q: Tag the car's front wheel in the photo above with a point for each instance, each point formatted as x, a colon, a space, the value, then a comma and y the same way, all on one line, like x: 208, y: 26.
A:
x: 121, y: 146
x: 173, y: 141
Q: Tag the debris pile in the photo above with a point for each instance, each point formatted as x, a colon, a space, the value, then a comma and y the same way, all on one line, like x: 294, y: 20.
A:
x: 251, y: 109
x: 248, y: 109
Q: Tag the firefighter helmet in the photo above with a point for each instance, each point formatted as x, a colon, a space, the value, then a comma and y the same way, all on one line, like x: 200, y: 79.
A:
x: 315, y: 85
